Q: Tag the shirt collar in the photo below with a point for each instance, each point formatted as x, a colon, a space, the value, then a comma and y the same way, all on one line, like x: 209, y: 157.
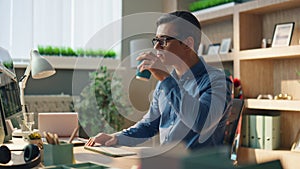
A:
x: 198, y: 69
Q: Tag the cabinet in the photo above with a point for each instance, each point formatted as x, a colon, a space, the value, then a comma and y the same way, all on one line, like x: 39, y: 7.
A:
x: 261, y: 70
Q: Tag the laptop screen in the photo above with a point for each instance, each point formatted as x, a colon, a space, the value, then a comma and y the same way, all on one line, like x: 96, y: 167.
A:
x: 61, y: 123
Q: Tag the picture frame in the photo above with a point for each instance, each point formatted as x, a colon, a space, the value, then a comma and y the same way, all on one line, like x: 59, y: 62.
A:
x: 213, y: 49
x: 225, y: 46
x: 296, y: 143
x: 282, y: 34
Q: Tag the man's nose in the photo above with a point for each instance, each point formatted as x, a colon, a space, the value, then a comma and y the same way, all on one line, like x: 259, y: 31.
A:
x: 157, y: 46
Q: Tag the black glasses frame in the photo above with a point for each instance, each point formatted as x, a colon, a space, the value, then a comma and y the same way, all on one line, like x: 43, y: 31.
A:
x: 162, y: 41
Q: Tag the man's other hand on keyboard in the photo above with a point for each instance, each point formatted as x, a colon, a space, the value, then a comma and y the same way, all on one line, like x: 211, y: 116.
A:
x: 102, y: 139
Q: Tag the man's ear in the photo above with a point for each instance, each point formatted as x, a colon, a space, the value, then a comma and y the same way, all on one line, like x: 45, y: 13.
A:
x: 189, y: 42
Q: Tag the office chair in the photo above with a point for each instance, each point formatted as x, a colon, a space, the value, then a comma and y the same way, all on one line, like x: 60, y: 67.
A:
x: 233, y: 127
x: 233, y: 120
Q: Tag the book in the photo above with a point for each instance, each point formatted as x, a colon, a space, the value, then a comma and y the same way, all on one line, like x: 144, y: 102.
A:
x: 256, y: 131
x: 272, y: 132
x: 263, y: 131
x: 245, y: 131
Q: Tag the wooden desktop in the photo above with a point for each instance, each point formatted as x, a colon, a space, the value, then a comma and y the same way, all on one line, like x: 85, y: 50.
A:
x: 82, y: 155
x: 144, y: 155
x: 127, y: 162
x: 163, y: 157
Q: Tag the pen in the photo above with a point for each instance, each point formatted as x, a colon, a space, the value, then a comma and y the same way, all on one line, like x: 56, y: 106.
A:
x: 48, y: 137
x: 73, y: 134
x: 55, y: 138
x: 51, y: 138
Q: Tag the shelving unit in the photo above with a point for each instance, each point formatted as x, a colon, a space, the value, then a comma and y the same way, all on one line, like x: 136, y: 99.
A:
x: 78, y: 63
x: 261, y: 70
x: 270, y: 53
x: 217, y: 25
x: 219, y: 58
x: 264, y: 104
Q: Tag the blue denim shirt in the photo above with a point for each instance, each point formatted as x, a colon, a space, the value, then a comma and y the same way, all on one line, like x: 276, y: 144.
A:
x: 192, y: 110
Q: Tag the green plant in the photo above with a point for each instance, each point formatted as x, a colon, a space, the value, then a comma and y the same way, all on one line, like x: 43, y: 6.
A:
x: 41, y: 50
x: 90, y: 52
x: 68, y: 51
x: 34, y: 135
x: 56, y: 51
x: 202, y: 4
x: 99, y: 109
x: 48, y: 50
x: 8, y: 64
x: 110, y: 54
x: 63, y: 51
x: 80, y: 52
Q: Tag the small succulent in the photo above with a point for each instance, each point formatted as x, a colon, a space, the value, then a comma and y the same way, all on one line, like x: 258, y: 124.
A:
x: 34, y: 136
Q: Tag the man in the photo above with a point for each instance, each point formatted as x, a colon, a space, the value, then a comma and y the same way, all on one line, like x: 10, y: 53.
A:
x: 190, y: 104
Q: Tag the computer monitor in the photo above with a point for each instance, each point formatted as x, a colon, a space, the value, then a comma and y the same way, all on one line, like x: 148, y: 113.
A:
x: 10, y: 97
x: 3, y: 122
x: 10, y: 103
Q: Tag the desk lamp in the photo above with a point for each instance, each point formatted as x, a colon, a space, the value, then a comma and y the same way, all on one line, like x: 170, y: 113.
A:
x: 40, y: 68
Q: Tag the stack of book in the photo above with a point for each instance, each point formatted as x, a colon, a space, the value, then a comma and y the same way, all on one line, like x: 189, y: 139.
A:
x: 261, y: 131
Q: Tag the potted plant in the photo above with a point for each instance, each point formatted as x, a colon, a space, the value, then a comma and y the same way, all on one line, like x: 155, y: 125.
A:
x: 35, y: 138
x: 99, y: 109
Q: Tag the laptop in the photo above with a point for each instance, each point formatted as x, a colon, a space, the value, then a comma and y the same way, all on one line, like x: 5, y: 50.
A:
x: 61, y: 123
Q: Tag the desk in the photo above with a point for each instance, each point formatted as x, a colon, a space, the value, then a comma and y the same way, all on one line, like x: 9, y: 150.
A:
x: 150, y: 156
x: 160, y: 157
x: 16, y: 156
x: 81, y: 155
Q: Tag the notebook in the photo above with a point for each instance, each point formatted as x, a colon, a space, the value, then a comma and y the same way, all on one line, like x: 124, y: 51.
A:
x: 110, y: 151
x: 61, y: 123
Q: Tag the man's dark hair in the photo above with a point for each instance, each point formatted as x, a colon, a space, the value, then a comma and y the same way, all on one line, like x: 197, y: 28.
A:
x: 186, y: 24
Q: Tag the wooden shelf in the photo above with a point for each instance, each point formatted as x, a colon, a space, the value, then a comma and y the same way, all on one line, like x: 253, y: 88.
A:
x: 213, y: 15
x: 266, y: 6
x: 78, y: 63
x: 270, y: 53
x: 219, y: 58
x: 285, y: 105
x: 254, y: 54
x: 289, y: 159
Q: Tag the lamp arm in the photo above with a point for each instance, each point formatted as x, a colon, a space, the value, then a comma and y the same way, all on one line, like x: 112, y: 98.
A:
x: 22, y: 85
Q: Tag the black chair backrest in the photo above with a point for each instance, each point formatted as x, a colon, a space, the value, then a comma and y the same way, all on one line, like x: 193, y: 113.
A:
x: 233, y: 128
x: 233, y: 120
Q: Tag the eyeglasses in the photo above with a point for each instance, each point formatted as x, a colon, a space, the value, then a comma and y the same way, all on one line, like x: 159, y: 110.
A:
x: 162, y: 41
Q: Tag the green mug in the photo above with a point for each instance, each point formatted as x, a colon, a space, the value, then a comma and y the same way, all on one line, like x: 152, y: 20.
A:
x: 143, y: 75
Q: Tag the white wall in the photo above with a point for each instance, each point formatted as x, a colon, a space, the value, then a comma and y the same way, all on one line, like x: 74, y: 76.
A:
x: 25, y: 24
x: 135, y: 12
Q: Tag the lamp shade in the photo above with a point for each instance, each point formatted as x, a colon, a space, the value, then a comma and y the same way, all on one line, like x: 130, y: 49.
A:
x: 40, y: 67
